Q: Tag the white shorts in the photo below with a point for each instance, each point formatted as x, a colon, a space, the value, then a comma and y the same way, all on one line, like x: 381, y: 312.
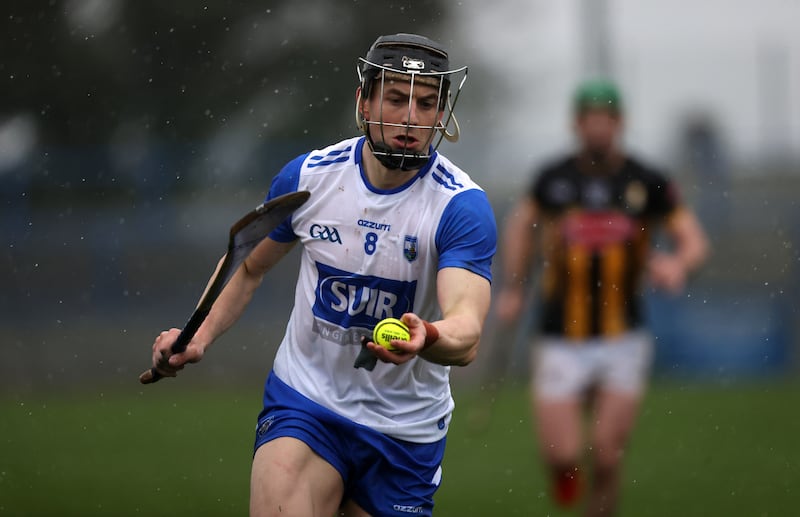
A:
x: 565, y: 368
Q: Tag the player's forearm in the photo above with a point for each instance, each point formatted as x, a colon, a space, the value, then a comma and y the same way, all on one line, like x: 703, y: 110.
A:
x: 237, y: 294
x: 691, y: 243
x: 464, y: 298
x: 230, y: 305
x: 517, y: 258
x: 694, y: 250
x: 692, y: 256
x: 457, y: 345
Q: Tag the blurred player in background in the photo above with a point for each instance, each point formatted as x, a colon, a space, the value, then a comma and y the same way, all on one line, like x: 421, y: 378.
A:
x: 392, y: 229
x: 591, y: 217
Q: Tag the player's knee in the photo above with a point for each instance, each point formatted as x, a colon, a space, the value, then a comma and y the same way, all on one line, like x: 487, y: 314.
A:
x: 607, y: 453
x: 274, y: 476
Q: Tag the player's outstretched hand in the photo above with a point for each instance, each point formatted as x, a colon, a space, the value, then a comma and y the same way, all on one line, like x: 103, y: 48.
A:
x: 405, y: 350
x: 167, y: 363
x: 667, y: 272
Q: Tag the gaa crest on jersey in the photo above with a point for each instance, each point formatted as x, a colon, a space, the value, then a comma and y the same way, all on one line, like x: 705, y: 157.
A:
x: 325, y: 233
x: 410, y: 248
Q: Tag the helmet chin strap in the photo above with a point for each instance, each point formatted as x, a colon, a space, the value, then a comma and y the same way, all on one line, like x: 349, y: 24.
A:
x: 405, y: 160
x: 393, y: 160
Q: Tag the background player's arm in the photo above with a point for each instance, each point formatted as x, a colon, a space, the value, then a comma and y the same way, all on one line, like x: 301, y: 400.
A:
x: 464, y: 298
x: 226, y: 311
x: 517, y: 254
x: 669, y: 271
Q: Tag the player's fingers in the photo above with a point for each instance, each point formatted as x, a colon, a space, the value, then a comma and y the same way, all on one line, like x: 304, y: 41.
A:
x: 387, y: 356
x: 159, y: 354
x: 157, y: 341
x: 164, y: 341
x: 163, y: 367
x: 192, y: 354
x: 406, y: 347
x: 675, y: 284
x: 377, y: 350
x: 177, y: 361
x: 416, y: 330
x: 167, y: 372
x: 670, y: 281
x: 411, y: 320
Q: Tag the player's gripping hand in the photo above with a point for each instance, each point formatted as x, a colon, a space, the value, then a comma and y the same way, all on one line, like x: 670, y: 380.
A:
x: 667, y: 272
x: 169, y: 364
x: 405, y: 350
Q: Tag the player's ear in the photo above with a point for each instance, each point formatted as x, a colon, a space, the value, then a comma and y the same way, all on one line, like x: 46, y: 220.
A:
x: 362, y: 107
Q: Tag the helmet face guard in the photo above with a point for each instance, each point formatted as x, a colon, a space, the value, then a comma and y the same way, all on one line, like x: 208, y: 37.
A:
x: 415, y: 60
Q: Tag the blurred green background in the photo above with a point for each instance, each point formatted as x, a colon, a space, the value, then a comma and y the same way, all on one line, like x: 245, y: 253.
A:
x: 132, y: 134
x: 186, y: 450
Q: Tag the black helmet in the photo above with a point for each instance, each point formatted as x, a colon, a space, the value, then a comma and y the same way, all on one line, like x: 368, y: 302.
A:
x: 405, y: 53
x: 423, y: 61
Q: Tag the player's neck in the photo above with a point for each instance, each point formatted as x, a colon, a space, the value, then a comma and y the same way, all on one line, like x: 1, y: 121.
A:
x: 600, y: 163
x: 379, y: 176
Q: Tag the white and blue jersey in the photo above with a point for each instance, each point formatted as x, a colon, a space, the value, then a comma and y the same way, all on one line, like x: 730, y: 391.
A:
x: 369, y: 254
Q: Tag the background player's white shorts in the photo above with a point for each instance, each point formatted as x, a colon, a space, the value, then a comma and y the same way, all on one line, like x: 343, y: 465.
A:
x: 564, y: 368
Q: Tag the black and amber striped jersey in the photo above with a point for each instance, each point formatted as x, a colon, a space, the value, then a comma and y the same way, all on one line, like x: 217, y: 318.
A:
x: 595, y: 232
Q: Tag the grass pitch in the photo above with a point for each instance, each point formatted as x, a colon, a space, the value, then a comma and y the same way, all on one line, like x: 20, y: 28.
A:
x: 696, y: 451
x: 180, y: 450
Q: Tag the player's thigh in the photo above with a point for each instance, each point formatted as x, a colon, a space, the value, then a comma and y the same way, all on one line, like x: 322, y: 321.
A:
x: 558, y: 428
x: 561, y: 375
x: 288, y: 478
x: 627, y: 360
x: 613, y: 420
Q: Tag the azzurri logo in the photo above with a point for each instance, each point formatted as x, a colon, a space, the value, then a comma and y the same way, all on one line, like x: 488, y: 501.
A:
x: 349, y: 300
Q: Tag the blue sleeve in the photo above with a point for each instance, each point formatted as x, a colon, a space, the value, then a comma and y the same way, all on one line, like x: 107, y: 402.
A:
x: 287, y: 180
x: 467, y: 234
